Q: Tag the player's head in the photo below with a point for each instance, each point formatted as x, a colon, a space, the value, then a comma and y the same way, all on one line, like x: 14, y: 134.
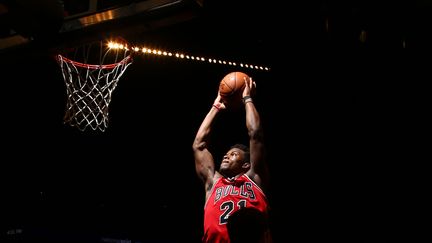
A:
x: 235, y: 161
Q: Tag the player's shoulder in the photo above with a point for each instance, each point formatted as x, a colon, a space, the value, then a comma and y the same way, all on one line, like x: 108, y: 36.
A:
x: 216, y: 177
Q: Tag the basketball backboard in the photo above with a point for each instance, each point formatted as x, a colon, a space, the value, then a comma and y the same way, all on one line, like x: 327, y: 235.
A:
x: 69, y: 22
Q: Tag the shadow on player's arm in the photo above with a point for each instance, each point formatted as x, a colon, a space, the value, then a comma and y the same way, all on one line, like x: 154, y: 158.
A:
x: 259, y: 170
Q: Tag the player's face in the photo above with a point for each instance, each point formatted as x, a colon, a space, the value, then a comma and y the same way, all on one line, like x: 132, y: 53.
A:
x: 232, y: 161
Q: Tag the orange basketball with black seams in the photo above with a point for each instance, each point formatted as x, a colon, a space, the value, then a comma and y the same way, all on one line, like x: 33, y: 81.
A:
x: 231, y: 88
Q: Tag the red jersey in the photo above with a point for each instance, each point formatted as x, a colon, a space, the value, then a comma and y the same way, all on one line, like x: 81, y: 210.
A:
x: 227, y: 197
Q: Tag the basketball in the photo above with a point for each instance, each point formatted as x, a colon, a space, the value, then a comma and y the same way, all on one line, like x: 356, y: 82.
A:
x: 231, y: 88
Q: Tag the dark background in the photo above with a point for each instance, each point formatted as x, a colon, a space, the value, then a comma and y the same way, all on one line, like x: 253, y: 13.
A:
x: 333, y: 107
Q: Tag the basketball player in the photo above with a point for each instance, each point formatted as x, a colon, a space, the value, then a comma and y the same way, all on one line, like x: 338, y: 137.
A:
x: 236, y: 208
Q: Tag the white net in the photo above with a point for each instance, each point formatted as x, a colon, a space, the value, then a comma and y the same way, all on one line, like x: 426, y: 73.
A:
x: 89, y: 89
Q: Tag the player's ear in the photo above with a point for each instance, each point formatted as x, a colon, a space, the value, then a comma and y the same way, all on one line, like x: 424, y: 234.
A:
x: 246, y: 165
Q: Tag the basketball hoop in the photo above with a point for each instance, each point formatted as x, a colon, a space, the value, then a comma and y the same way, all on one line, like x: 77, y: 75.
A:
x: 89, y: 86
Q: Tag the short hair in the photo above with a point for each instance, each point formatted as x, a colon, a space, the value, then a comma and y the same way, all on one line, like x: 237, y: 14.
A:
x: 243, y: 148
